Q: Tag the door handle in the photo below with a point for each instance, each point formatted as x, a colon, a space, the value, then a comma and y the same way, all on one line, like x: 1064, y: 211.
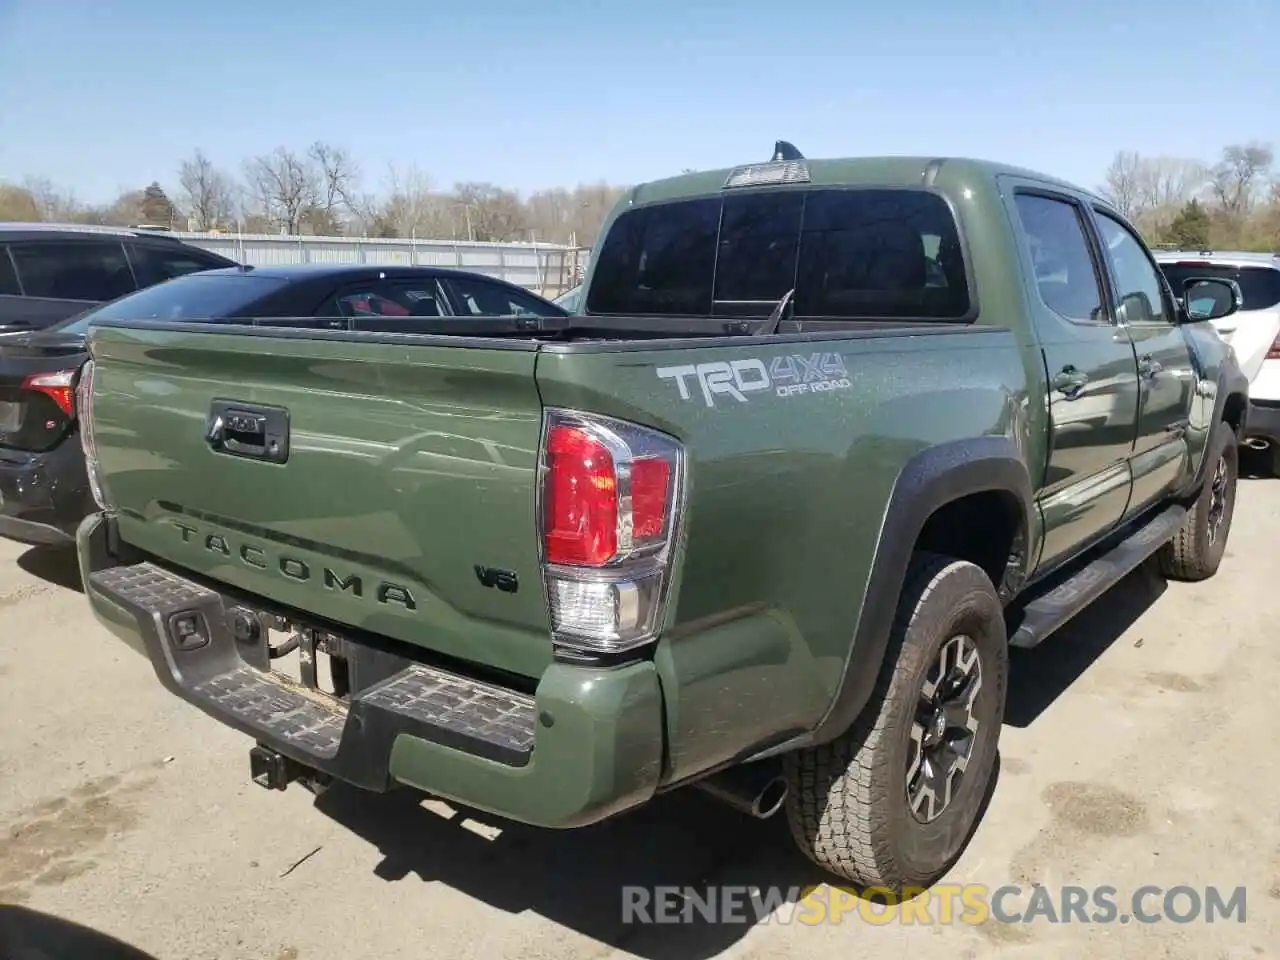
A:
x: 1070, y: 381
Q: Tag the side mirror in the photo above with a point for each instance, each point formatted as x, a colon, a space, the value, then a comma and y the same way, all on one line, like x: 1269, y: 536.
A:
x: 1210, y: 298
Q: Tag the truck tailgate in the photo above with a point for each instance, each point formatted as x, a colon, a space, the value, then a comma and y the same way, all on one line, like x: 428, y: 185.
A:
x: 409, y: 479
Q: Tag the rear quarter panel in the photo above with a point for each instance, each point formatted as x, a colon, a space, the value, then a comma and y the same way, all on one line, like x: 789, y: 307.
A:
x: 786, y: 499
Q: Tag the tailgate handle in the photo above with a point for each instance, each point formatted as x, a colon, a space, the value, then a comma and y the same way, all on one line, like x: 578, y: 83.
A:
x: 248, y: 430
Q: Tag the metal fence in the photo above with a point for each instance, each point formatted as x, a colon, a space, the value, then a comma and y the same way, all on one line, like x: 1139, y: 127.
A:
x: 548, y: 269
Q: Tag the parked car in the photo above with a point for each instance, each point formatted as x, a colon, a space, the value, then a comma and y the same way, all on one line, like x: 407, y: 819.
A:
x: 51, y: 271
x: 764, y: 515
x: 44, y: 491
x: 1253, y: 331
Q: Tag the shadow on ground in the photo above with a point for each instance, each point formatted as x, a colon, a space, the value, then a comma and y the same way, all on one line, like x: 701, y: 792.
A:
x: 1255, y: 464
x: 586, y: 879
x: 580, y: 878
x: 1041, y: 675
x: 55, y: 565
x: 29, y: 935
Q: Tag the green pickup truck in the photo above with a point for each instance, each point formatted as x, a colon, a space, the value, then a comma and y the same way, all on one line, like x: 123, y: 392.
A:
x: 824, y: 439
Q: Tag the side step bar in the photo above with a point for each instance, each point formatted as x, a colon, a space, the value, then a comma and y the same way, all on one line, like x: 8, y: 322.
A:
x: 1049, y: 611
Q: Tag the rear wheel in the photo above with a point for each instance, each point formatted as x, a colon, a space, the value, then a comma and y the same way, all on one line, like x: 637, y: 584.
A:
x: 1196, y: 550
x: 893, y: 801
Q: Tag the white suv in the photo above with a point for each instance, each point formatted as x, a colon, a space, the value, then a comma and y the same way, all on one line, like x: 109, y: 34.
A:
x: 1253, y: 331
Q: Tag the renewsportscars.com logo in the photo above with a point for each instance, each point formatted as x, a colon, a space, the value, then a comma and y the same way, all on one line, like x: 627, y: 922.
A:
x: 785, y: 376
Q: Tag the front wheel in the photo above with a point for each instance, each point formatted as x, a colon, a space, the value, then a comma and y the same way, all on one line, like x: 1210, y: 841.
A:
x: 1196, y: 550
x: 892, y: 802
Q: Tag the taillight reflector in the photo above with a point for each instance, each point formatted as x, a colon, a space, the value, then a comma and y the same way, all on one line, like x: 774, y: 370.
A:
x: 1274, y: 352
x: 58, y: 387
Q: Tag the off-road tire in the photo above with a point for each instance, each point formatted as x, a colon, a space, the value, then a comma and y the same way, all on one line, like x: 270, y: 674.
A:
x: 847, y: 803
x: 1191, y: 555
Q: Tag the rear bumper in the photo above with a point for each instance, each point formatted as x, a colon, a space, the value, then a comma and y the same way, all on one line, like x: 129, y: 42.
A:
x: 44, y: 496
x: 585, y: 746
x: 1262, y: 421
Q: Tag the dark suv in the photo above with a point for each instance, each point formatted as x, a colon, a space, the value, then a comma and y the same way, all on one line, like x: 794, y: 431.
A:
x: 49, y: 272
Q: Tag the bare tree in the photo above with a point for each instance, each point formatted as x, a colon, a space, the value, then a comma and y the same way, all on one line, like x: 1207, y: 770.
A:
x: 411, y: 208
x: 1240, y: 176
x: 209, y: 193
x: 52, y: 203
x: 283, y: 187
x: 339, y: 178
x: 492, y: 213
x: 1121, y: 183
x: 1168, y: 182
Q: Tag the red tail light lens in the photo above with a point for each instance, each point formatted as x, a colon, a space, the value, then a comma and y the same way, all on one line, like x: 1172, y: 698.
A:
x: 1274, y: 352
x: 581, y: 507
x: 650, y: 492
x: 609, y: 500
x: 58, y: 386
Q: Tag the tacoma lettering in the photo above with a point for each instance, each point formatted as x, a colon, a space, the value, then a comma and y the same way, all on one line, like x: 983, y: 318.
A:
x: 299, y: 571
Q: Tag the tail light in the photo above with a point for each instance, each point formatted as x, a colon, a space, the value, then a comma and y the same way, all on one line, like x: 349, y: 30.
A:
x: 609, y: 503
x: 88, y: 434
x: 58, y: 386
x: 1273, y: 353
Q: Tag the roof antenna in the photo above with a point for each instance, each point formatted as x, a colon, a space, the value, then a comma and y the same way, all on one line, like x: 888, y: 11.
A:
x: 785, y: 152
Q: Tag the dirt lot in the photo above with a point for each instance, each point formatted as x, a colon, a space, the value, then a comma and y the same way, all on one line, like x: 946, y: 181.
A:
x: 1142, y: 748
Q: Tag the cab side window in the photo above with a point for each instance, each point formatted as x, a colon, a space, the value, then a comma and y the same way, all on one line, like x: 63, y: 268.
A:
x: 94, y: 271
x: 1066, y: 276
x: 1140, y: 293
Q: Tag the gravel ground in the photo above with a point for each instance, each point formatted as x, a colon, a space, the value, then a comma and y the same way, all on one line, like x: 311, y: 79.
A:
x: 1141, y: 749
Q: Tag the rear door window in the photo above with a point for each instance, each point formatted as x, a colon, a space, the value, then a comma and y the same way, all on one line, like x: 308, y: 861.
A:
x: 154, y: 265
x: 479, y: 298
x: 90, y: 270
x: 386, y: 298
x: 1065, y: 270
x: 848, y: 254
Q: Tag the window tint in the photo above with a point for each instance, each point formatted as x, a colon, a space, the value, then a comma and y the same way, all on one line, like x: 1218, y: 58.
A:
x: 848, y: 254
x: 1139, y: 286
x: 8, y: 279
x: 759, y: 239
x: 73, y: 270
x: 152, y: 265
x: 193, y: 297
x: 658, y: 259
x: 476, y: 298
x: 1259, y: 285
x: 880, y: 253
x: 390, y: 299
x: 1064, y: 269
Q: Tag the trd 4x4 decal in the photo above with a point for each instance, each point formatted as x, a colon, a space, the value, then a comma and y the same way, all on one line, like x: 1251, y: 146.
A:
x: 785, y: 376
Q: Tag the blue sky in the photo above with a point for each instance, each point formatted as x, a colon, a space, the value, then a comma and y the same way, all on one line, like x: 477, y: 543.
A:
x: 536, y: 93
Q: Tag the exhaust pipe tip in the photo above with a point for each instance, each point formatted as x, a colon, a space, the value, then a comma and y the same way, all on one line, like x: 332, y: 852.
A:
x: 756, y: 791
x: 770, y: 799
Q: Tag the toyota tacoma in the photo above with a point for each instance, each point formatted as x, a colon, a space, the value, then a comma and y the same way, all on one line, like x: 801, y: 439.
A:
x: 824, y: 439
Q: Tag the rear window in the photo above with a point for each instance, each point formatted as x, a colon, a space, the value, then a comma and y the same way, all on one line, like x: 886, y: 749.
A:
x: 853, y: 254
x: 193, y: 297
x: 1259, y: 285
